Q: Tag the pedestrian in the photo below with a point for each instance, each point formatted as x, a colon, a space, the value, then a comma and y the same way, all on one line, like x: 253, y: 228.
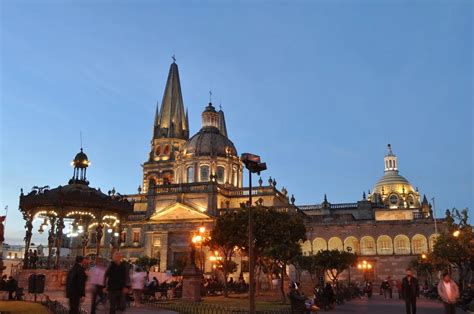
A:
x: 297, y: 299
x: 138, y: 283
x: 76, y: 283
x: 34, y: 259
x: 329, y: 296
x: 449, y: 293
x: 385, y: 286
x: 97, y: 284
x: 390, y: 286
x: 116, y: 282
x: 12, y: 287
x: 410, y: 291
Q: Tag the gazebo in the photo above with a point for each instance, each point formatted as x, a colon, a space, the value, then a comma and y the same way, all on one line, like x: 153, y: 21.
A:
x: 80, y: 206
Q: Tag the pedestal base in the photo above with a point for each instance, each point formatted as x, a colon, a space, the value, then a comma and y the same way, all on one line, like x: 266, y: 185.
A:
x: 192, y: 279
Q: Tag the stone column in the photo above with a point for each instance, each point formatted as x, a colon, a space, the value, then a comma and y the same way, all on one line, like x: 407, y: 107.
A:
x: 59, y: 237
x: 148, y: 242
x: 28, y: 228
x: 51, y: 240
x: 164, y: 252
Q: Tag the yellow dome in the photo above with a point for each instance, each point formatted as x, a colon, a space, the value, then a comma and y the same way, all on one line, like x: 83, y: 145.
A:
x: 392, y: 182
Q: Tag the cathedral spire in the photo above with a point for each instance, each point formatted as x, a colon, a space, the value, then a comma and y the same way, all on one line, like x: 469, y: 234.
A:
x: 222, y: 126
x: 170, y: 120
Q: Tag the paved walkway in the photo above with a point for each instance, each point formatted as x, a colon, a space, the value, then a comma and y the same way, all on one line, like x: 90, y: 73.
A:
x: 377, y: 305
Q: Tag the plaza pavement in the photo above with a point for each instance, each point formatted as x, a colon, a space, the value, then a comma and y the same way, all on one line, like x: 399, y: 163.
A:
x: 377, y: 305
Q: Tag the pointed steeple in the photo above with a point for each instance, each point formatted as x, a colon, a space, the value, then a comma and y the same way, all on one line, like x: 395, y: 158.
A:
x: 222, y: 126
x: 171, y: 120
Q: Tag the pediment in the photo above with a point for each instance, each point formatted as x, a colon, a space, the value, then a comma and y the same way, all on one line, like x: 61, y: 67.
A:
x: 178, y: 211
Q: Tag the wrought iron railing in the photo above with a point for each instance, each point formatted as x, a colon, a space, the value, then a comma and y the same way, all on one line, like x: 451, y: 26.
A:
x: 203, y: 308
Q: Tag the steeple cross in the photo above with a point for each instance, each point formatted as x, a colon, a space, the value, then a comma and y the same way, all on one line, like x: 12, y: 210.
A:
x: 174, y: 58
x: 210, y: 96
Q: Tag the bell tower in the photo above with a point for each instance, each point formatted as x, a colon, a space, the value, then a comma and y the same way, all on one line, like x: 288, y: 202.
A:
x: 170, y: 132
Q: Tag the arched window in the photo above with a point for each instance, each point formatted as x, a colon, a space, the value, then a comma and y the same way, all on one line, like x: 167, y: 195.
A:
x: 419, y: 244
x: 402, y: 244
x: 411, y: 201
x: 335, y: 243
x: 367, y: 246
x: 384, y: 245
x: 306, y: 248
x: 319, y: 244
x: 352, y: 243
x: 168, y: 177
x: 204, y: 174
x: 166, y: 151
x: 158, y: 150
x: 432, y: 241
x: 190, y: 174
x: 220, y: 173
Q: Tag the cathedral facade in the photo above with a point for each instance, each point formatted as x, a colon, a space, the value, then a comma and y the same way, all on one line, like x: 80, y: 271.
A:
x: 188, y: 180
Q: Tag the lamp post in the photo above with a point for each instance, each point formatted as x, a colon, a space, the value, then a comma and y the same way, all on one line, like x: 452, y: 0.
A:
x: 364, y: 266
x: 254, y: 165
x: 349, y: 249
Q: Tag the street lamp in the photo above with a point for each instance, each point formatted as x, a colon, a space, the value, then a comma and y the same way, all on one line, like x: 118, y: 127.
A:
x: 349, y: 249
x: 199, y: 238
x: 254, y: 165
x: 456, y: 233
x: 364, y: 266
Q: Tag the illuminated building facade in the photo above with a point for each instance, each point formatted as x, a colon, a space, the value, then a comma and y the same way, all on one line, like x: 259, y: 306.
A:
x: 188, y: 180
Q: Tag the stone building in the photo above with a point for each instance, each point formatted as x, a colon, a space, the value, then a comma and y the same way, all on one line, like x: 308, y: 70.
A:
x: 188, y: 180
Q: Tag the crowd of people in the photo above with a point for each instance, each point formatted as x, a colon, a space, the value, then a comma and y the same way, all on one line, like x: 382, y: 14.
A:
x: 327, y: 296
x: 117, y: 284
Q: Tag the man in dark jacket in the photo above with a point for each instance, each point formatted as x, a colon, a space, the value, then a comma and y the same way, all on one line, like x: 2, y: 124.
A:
x: 410, y: 291
x: 297, y: 300
x: 76, y: 283
x: 117, y: 281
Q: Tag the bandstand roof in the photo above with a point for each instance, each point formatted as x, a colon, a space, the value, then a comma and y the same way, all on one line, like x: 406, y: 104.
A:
x: 74, y: 199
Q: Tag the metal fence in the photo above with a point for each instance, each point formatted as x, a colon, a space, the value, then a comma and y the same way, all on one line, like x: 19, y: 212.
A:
x: 57, y: 308
x: 202, y: 308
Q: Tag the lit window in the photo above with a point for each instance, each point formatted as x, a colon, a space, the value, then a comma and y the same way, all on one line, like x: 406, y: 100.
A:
x: 204, y: 173
x: 220, y: 174
x: 166, y: 150
x: 136, y: 236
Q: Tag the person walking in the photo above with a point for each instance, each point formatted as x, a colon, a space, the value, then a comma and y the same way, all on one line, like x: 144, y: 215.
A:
x: 449, y: 293
x: 117, y: 280
x: 97, y: 284
x: 138, y: 283
x: 76, y: 283
x: 410, y: 291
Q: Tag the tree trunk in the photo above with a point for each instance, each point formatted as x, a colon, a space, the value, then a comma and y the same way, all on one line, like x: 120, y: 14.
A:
x: 257, y: 280
x: 282, y: 284
x: 226, y: 293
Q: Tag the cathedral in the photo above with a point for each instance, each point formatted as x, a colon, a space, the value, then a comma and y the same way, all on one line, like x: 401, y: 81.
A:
x: 189, y: 179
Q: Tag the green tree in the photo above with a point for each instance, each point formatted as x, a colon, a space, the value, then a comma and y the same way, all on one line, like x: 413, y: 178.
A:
x: 146, y: 262
x: 334, y: 262
x: 455, y: 249
x: 308, y: 263
x: 229, y: 233
x: 280, y: 234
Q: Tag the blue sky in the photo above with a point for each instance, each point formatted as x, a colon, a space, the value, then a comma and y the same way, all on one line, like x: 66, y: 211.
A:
x: 316, y: 88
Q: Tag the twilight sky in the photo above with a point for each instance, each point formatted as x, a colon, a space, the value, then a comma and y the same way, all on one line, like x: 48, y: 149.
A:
x: 318, y: 89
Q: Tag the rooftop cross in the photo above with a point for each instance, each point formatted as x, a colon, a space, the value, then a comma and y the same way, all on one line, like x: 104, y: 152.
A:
x: 210, y: 96
x: 174, y: 58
